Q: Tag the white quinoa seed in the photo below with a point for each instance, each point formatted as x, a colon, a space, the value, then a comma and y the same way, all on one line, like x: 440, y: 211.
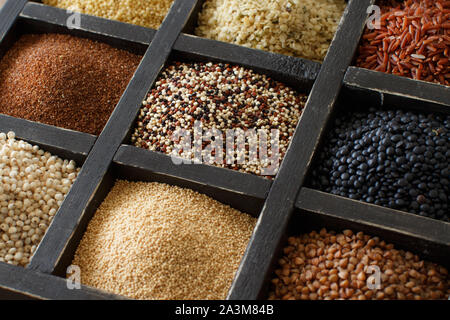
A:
x: 291, y: 27
x: 31, y: 186
x: 156, y: 241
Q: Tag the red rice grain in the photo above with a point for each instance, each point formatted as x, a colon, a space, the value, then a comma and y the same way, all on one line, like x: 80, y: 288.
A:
x: 413, y: 41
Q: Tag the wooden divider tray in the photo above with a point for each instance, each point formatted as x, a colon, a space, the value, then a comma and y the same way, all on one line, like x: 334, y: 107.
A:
x: 284, y: 206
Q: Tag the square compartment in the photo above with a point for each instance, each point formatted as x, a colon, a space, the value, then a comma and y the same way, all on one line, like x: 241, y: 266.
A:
x: 193, y: 24
x: 28, y: 25
x: 300, y: 83
x: 360, y: 100
x: 65, y: 148
x: 302, y: 222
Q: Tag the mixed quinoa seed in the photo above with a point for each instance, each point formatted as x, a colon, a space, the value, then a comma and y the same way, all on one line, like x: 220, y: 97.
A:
x: 220, y: 96
x: 393, y: 158
x: 296, y: 28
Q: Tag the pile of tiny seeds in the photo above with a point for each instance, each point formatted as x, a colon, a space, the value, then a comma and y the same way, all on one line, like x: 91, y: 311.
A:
x: 155, y: 241
x: 146, y: 13
x: 33, y: 184
x: 391, y: 158
x: 413, y: 41
x: 65, y: 81
x: 327, y: 265
x: 296, y: 28
x: 223, y: 97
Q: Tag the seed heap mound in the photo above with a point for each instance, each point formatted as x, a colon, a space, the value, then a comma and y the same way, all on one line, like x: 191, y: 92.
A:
x: 390, y: 158
x: 296, y: 28
x: 146, y: 13
x: 64, y: 81
x: 413, y: 41
x: 327, y: 265
x: 155, y: 241
x: 33, y: 184
x: 223, y: 97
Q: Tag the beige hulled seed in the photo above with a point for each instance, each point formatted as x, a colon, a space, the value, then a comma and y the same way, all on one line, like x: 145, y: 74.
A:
x: 146, y: 13
x: 329, y: 265
x: 64, y: 81
x: 296, y: 28
x: 26, y: 207
x: 155, y: 241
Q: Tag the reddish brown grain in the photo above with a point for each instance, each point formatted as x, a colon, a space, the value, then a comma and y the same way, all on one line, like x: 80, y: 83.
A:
x: 413, y: 41
x: 64, y: 81
x: 329, y: 265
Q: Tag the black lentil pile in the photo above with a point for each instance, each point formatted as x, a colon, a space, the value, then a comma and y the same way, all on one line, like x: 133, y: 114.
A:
x: 222, y: 97
x: 395, y: 159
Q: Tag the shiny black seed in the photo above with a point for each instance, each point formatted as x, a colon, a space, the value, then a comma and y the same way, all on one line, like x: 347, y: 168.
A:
x: 393, y: 158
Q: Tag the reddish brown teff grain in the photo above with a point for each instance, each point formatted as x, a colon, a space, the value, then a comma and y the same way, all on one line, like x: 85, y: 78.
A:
x: 65, y: 81
x: 413, y: 41
x: 327, y: 265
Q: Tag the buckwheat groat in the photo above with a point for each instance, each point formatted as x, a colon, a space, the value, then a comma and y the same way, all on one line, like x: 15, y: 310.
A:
x: 155, y: 241
x: 146, y: 13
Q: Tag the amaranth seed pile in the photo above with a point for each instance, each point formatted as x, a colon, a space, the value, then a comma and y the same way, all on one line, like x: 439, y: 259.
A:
x: 222, y: 97
x: 65, y: 81
x: 155, y: 241
x: 413, y: 41
x: 330, y: 265
x: 146, y: 13
x: 33, y: 184
x: 391, y: 158
x: 296, y: 28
